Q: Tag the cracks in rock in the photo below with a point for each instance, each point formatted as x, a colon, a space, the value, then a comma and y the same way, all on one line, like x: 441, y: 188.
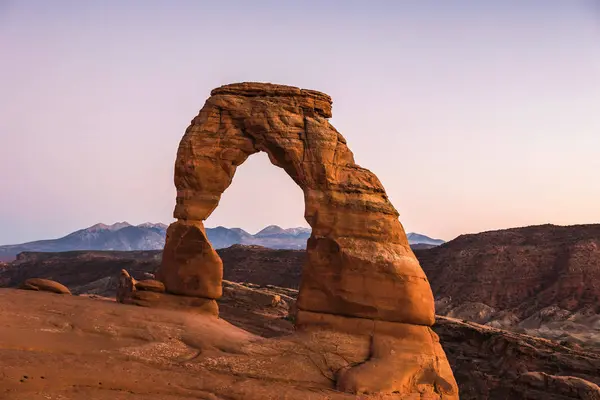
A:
x: 304, y: 135
x: 220, y: 110
x: 321, y: 370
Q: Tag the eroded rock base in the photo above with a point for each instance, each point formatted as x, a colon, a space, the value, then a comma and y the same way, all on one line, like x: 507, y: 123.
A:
x: 403, y: 358
x: 151, y: 294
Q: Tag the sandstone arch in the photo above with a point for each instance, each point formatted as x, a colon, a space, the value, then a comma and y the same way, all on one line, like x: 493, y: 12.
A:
x: 360, y: 276
x: 359, y: 261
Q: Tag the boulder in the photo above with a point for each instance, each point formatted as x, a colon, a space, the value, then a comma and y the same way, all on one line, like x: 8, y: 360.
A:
x: 125, y: 287
x: 27, y: 286
x: 257, y: 297
x: 150, y: 293
x: 45, y: 285
x: 166, y: 301
x: 150, y: 285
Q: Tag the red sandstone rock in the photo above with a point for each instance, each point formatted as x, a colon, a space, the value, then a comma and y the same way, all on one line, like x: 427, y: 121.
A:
x: 359, y: 263
x: 166, y: 301
x: 150, y: 285
x: 45, y: 285
x: 521, y: 270
x: 257, y: 297
x: 126, y: 286
x: 538, y: 385
x: 154, y: 354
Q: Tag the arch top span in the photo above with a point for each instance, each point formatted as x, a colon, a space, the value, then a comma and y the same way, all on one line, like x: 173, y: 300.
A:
x: 359, y: 263
x: 312, y: 99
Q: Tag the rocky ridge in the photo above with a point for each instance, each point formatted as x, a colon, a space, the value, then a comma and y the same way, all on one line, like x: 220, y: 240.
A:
x: 543, y: 280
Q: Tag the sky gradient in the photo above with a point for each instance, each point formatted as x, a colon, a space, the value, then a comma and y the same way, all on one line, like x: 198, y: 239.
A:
x: 475, y: 115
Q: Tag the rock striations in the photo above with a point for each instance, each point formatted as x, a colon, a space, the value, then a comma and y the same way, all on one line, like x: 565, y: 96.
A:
x: 520, y: 269
x: 360, y: 277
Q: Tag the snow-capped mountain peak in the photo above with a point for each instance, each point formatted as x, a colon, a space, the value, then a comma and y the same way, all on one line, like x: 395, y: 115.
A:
x: 270, y: 230
x: 114, y: 227
x: 151, y: 236
x: 153, y: 225
x: 417, y: 238
x: 297, y: 231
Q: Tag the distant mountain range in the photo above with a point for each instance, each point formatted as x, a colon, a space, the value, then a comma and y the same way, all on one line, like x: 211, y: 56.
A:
x: 417, y: 238
x: 123, y: 236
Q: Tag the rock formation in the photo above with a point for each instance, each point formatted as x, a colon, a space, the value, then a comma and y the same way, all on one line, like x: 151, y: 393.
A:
x: 150, y: 354
x: 126, y: 286
x: 519, y: 269
x: 541, y: 280
x: 150, y: 285
x: 150, y: 293
x: 45, y: 285
x: 360, y: 277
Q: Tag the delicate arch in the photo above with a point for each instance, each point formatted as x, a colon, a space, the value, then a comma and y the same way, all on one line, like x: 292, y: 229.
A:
x: 359, y: 263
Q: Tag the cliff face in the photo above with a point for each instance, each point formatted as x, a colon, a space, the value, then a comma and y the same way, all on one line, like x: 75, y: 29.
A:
x: 542, y: 280
x: 522, y: 269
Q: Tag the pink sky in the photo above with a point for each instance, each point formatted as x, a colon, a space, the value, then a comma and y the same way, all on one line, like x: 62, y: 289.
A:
x: 475, y: 116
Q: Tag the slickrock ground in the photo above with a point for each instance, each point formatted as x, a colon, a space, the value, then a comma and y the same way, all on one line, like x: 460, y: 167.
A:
x: 81, y: 348
x: 74, y: 347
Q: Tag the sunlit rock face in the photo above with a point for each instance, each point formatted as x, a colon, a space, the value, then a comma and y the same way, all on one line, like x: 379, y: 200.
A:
x: 360, y: 275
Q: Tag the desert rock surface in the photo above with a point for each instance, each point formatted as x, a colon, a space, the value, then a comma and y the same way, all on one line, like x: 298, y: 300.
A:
x: 543, y: 280
x: 93, y: 349
x: 45, y: 285
x: 75, y: 347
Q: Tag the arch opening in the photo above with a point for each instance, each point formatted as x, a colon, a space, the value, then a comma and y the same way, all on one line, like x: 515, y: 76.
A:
x: 261, y: 207
x: 259, y: 196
